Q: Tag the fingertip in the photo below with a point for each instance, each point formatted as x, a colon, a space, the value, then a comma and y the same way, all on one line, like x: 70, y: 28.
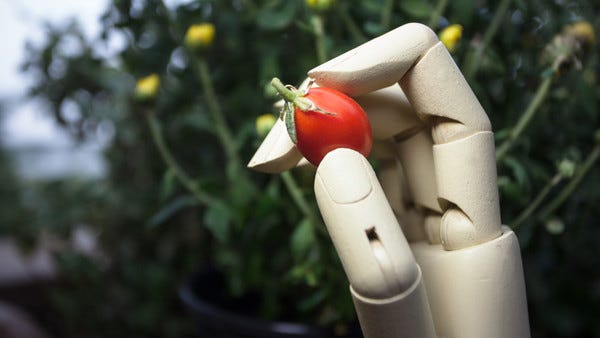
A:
x: 277, y: 153
x: 345, y: 175
x: 377, y: 63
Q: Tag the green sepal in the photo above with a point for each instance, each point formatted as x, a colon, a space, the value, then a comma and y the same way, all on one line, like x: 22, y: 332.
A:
x: 290, y: 123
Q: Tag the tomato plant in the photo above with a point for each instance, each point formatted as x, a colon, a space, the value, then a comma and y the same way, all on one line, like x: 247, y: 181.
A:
x: 323, y: 119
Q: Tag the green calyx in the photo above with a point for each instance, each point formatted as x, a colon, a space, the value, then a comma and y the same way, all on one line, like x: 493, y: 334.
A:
x: 287, y: 114
x: 294, y: 98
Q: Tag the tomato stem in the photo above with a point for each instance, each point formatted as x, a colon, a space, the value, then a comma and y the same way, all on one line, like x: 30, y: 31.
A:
x: 293, y: 96
x: 287, y: 94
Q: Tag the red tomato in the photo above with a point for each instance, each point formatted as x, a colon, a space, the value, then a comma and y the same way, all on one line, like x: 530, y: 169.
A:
x: 338, y: 122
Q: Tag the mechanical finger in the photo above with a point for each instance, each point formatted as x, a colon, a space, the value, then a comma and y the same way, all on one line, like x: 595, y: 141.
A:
x: 277, y: 152
x: 386, y: 283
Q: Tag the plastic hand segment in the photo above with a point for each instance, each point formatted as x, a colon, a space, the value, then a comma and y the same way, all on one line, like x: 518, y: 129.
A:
x: 464, y: 160
x: 386, y: 282
x: 277, y: 152
x: 374, y: 252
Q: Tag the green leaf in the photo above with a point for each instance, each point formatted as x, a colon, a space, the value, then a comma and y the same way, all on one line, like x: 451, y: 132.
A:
x: 511, y: 190
x: 269, y: 66
x: 244, y: 135
x: 521, y: 4
x: 463, y: 11
x: 277, y: 14
x: 370, y: 7
x: 518, y: 170
x: 169, y: 182
x: 312, y: 301
x: 171, y: 209
x: 198, y: 120
x: 416, y: 8
x: 303, y: 238
x: 501, y: 135
x: 217, y: 219
x: 373, y: 28
x: 243, y: 192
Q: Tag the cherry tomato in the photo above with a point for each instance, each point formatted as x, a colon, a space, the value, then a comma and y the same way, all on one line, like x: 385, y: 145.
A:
x: 334, y: 121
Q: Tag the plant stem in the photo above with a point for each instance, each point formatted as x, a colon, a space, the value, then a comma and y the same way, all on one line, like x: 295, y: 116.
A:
x: 285, y: 93
x: 297, y: 196
x: 436, y: 13
x: 170, y: 161
x: 386, y: 14
x: 537, y: 201
x: 317, y: 24
x: 569, y: 188
x: 475, y: 61
x: 523, y: 122
x: 496, y: 21
x: 223, y: 131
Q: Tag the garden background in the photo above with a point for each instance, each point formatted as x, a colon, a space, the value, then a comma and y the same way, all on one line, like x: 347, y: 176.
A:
x: 176, y: 194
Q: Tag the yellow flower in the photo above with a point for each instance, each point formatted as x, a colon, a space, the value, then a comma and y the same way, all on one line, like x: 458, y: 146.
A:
x: 451, y: 35
x: 200, y: 36
x: 319, y: 5
x: 147, y: 87
x: 582, y: 31
x: 264, y: 123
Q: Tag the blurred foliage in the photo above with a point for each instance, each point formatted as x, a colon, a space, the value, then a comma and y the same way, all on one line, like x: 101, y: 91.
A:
x: 15, y: 217
x: 154, y: 232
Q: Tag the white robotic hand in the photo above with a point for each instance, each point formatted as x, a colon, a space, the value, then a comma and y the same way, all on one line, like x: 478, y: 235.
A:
x: 452, y: 270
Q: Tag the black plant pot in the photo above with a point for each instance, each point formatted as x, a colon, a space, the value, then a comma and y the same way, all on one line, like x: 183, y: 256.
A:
x: 202, y: 295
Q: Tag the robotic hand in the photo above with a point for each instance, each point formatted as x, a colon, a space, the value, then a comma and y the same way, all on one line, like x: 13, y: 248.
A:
x: 452, y: 269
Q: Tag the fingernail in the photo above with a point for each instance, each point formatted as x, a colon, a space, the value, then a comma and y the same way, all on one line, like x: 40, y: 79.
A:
x: 345, y: 175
